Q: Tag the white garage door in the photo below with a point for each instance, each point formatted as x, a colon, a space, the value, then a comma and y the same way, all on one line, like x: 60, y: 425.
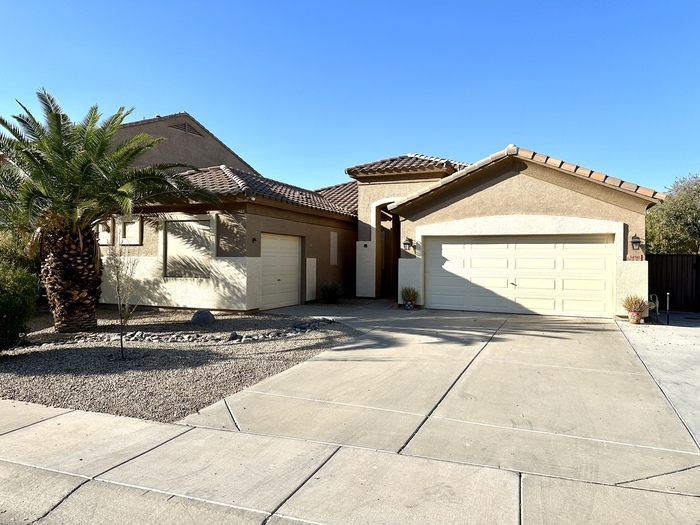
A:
x: 281, y: 270
x: 552, y: 275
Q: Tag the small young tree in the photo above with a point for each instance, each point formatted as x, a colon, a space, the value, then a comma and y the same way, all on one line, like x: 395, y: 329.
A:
x: 673, y: 226
x: 121, y: 265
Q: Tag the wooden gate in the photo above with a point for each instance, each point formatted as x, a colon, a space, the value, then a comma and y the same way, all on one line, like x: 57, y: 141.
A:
x: 678, y: 275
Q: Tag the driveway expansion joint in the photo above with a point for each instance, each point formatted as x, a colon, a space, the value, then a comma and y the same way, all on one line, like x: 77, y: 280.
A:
x: 323, y: 464
x: 68, y: 411
x: 233, y: 418
x: 449, y: 389
x: 653, y: 476
x: 338, y: 403
x: 569, y: 436
x: 151, y: 449
x: 663, y: 392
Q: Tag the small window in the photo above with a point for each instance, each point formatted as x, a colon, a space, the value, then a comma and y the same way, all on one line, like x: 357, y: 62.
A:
x: 131, y: 231
x: 105, y: 233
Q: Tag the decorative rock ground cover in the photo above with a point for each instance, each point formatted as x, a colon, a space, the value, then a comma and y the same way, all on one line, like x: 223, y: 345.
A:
x: 172, y: 367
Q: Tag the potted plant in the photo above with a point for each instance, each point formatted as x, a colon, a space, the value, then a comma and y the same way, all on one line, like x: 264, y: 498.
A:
x: 635, y: 305
x: 409, y: 296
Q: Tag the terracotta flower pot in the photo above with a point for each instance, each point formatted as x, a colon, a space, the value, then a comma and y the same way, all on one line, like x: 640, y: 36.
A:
x: 634, y: 317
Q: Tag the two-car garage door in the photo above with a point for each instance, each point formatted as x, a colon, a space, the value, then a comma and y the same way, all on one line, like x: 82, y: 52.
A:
x: 553, y: 275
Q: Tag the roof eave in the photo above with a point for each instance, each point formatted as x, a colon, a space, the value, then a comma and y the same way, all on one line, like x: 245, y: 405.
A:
x: 515, y: 152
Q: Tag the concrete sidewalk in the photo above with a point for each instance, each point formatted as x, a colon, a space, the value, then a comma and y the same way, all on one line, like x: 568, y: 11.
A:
x: 429, y: 417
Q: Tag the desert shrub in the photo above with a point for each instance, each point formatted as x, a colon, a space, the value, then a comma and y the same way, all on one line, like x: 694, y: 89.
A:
x: 409, y: 293
x: 330, y: 293
x: 13, y: 251
x: 18, y: 292
x: 634, y: 303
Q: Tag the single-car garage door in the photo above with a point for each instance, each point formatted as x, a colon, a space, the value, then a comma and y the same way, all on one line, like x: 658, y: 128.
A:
x: 281, y: 270
x: 552, y: 275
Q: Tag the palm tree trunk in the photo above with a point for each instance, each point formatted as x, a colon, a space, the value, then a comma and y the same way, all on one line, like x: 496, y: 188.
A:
x: 72, y: 280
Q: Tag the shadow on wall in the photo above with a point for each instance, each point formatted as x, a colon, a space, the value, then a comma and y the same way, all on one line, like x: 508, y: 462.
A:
x: 187, y: 276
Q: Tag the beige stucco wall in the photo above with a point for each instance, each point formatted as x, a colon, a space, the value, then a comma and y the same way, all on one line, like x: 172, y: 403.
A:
x: 235, y: 269
x: 534, y: 191
x: 317, y: 243
x: 370, y: 197
x: 180, y: 146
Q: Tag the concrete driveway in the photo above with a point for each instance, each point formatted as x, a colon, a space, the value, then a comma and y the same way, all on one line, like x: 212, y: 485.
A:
x: 429, y: 417
x: 565, y: 404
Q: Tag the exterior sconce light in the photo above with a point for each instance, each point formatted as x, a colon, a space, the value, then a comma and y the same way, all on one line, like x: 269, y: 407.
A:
x: 408, y: 244
x: 254, y: 240
x: 636, y: 242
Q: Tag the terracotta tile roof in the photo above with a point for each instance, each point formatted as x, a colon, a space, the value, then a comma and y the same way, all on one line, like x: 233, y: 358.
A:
x: 409, y: 163
x: 515, y: 151
x: 223, y: 180
x: 344, y: 195
x: 538, y: 158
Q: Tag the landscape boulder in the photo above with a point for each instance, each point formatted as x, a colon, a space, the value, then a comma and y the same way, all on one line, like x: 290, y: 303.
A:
x: 202, y: 317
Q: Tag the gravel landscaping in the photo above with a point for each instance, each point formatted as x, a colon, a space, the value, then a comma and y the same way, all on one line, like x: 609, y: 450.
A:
x: 172, y: 367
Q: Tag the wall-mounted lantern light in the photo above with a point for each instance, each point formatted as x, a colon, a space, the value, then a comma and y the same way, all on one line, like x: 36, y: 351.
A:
x: 254, y: 240
x: 408, y: 244
x: 636, y: 242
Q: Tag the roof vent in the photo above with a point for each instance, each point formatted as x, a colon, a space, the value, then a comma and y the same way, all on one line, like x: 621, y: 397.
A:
x: 187, y: 129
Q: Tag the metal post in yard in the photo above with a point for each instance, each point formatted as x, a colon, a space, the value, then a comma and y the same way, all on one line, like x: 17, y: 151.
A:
x: 668, y: 302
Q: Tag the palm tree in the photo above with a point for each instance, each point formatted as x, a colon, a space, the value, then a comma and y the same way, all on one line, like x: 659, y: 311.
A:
x: 61, y: 179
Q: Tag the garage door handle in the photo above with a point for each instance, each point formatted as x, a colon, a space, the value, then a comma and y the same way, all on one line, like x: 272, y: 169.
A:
x: 514, y: 284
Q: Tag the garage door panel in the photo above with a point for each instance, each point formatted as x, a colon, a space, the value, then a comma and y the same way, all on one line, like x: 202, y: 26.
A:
x: 556, y: 275
x: 489, y: 300
x: 482, y: 262
x: 536, y: 264
x: 537, y: 304
x: 535, y: 284
x: 492, y: 283
x: 453, y: 264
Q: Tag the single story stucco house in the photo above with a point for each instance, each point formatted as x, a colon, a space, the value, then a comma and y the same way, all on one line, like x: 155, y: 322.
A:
x: 516, y: 232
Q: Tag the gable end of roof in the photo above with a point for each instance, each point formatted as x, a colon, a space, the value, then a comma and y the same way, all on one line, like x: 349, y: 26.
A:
x: 539, y: 158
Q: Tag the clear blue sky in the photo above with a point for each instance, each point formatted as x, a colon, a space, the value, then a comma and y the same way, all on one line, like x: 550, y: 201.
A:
x: 303, y: 89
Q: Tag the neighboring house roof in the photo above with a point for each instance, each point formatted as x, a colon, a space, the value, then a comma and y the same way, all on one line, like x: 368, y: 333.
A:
x: 181, y: 124
x: 344, y: 195
x: 537, y: 158
x: 409, y: 163
x: 223, y: 180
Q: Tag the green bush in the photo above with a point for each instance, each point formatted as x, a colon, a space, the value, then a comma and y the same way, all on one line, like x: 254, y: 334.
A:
x: 18, y: 293
x: 13, y: 251
x: 330, y: 293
